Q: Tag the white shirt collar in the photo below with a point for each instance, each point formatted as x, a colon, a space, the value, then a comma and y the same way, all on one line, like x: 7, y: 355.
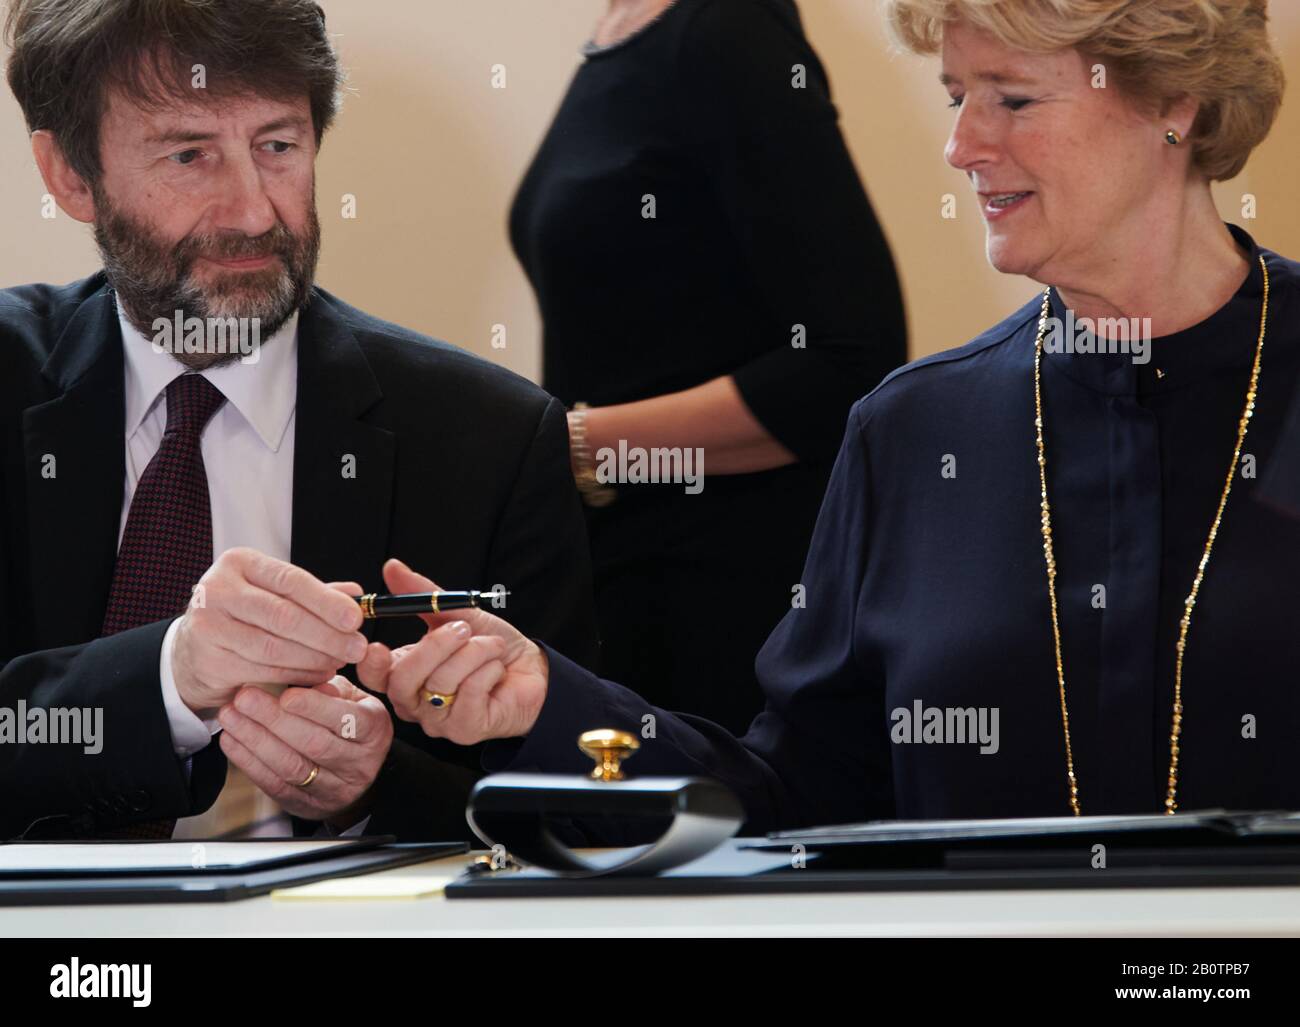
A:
x: 265, y: 393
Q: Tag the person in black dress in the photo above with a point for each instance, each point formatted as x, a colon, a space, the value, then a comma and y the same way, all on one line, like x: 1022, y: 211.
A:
x: 710, y: 276
x: 1086, y: 547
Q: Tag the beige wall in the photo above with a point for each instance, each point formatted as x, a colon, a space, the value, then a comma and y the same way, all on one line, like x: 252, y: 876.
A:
x: 433, y: 154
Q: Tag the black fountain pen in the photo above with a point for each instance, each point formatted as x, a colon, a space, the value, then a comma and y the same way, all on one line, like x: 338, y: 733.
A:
x: 407, y: 605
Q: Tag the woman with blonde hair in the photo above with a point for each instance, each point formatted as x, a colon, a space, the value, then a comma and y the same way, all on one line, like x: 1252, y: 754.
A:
x: 1047, y: 577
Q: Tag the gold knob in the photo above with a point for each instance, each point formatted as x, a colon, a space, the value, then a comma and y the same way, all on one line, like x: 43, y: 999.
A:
x: 608, y: 748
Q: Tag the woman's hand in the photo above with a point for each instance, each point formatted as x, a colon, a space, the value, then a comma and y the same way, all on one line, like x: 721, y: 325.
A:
x: 496, y: 676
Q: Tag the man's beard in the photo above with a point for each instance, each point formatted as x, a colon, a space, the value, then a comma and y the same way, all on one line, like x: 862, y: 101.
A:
x: 153, y: 279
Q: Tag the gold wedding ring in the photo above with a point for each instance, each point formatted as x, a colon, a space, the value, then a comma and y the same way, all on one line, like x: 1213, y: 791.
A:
x: 310, y: 777
x: 438, y: 700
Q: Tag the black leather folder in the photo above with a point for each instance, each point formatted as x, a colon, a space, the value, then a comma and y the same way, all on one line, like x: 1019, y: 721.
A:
x: 215, y: 884
x: 1211, y: 848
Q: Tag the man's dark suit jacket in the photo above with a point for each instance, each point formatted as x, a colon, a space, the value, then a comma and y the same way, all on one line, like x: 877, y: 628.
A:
x: 462, y: 470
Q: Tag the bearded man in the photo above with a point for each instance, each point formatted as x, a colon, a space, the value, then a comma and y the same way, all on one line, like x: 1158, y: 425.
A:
x: 184, y: 523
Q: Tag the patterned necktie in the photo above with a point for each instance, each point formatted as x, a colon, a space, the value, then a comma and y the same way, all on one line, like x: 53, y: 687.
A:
x: 167, y: 544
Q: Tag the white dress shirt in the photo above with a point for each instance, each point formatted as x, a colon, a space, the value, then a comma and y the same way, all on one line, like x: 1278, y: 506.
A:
x: 247, y: 450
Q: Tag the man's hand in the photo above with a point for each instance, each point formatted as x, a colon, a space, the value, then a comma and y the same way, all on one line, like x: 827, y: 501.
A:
x: 335, y: 727
x: 266, y: 621
x: 498, y: 676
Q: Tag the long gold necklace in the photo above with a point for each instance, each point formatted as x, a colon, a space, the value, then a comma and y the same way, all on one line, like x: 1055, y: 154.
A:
x: 1171, y: 796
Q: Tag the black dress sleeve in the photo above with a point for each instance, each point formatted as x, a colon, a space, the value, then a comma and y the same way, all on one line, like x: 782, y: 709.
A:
x: 755, y: 104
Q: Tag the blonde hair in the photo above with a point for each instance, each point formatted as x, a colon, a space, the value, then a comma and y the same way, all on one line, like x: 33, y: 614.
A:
x: 1216, y: 51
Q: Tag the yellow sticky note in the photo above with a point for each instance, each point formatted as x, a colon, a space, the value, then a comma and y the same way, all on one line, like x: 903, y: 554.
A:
x: 365, y: 888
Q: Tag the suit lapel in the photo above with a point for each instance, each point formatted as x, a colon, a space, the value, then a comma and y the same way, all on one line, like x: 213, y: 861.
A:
x: 342, y: 467
x: 73, y: 455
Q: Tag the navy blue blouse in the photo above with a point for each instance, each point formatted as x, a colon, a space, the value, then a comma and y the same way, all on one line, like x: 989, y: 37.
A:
x: 926, y: 585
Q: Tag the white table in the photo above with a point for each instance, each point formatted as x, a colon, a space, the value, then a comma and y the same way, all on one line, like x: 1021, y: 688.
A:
x: 1169, y: 912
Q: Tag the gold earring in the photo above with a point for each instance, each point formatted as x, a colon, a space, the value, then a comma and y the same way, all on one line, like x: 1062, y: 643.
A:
x: 1173, y: 138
